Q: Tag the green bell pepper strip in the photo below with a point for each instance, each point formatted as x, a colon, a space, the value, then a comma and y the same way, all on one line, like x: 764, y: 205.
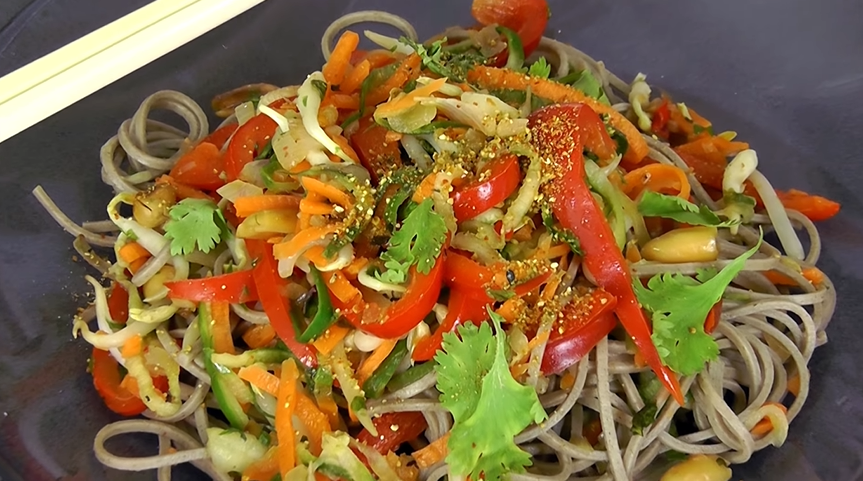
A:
x: 515, y: 58
x: 218, y: 373
x: 410, y: 376
x: 375, y: 385
x: 325, y: 315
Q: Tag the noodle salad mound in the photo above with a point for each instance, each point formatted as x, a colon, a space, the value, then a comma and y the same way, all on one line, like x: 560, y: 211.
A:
x: 482, y: 256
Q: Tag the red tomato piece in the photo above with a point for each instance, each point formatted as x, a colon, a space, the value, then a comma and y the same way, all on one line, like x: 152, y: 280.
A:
x: 527, y: 18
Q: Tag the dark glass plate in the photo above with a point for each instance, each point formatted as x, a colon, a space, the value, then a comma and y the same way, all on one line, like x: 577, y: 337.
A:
x: 787, y: 75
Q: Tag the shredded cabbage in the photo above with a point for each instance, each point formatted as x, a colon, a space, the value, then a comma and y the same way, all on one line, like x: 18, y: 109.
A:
x: 238, y: 188
x: 233, y: 451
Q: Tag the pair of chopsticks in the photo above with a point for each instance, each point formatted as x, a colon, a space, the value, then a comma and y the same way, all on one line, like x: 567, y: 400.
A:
x: 61, y: 78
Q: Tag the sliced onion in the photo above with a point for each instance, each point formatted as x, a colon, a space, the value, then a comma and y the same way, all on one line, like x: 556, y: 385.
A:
x: 238, y: 188
x: 778, y: 216
x: 471, y: 243
x: 528, y: 191
x: 251, y: 172
x: 281, y: 93
x: 389, y: 43
x: 377, y: 285
x: 309, y: 104
x: 416, y: 152
x: 244, y: 112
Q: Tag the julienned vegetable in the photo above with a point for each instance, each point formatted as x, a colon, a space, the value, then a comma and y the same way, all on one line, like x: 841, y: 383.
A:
x: 425, y: 221
x: 563, y: 131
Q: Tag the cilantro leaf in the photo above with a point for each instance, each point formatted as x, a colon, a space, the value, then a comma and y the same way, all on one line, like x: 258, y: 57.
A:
x: 489, y: 407
x: 461, y: 367
x: 195, y: 222
x: 653, y: 204
x: 679, y: 305
x: 541, y: 68
x: 443, y: 62
x: 585, y: 81
x: 418, y: 241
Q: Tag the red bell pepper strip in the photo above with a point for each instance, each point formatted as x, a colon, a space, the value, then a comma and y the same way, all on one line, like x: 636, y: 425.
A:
x: 713, y: 316
x: 107, y: 381
x: 236, y: 287
x: 397, y: 319
x: 247, y: 143
x: 464, y: 306
x: 557, y: 132
x: 586, y: 320
x: 527, y: 18
x: 271, y: 289
x: 661, y: 116
x: 394, y: 429
x: 500, y: 178
x: 468, y: 299
x: 118, y: 303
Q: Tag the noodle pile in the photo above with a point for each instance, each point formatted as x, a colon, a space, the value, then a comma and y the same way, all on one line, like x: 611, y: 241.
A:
x: 767, y: 335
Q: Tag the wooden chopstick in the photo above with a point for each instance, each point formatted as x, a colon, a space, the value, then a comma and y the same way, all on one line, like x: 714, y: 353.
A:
x: 61, y: 78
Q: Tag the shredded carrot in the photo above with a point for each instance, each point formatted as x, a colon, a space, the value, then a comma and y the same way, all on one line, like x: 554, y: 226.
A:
x: 408, y: 100
x: 537, y: 340
x: 316, y: 255
x: 260, y: 378
x: 497, y: 78
x: 379, y: 58
x: 326, y: 342
x: 550, y: 289
x: 567, y: 381
x: 301, y: 167
x: 183, y: 191
x: 132, y: 347
x: 374, y: 360
x: 315, y: 421
x: 246, y: 206
x: 662, y: 178
x: 312, y: 207
x: 764, y: 426
x: 352, y: 271
x: 811, y: 274
x: 130, y: 384
x: 302, y: 239
x: 638, y: 359
x: 335, y: 195
x: 137, y: 264
x: 259, y: 335
x: 305, y: 220
x: 794, y: 385
x: 511, y: 308
x: 340, y: 60
x: 264, y: 469
x: 335, y: 133
x: 340, y: 286
x: 556, y: 251
x: 356, y: 77
x: 518, y: 370
x: 287, y: 400
x: 345, y: 101
x: 407, y: 70
x: 425, y: 189
x: 132, y: 251
x: 223, y: 341
x: 329, y: 407
x: 433, y: 453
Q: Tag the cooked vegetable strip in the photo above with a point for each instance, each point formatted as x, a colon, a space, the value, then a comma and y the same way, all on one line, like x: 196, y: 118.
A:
x: 496, y: 78
x: 286, y: 405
